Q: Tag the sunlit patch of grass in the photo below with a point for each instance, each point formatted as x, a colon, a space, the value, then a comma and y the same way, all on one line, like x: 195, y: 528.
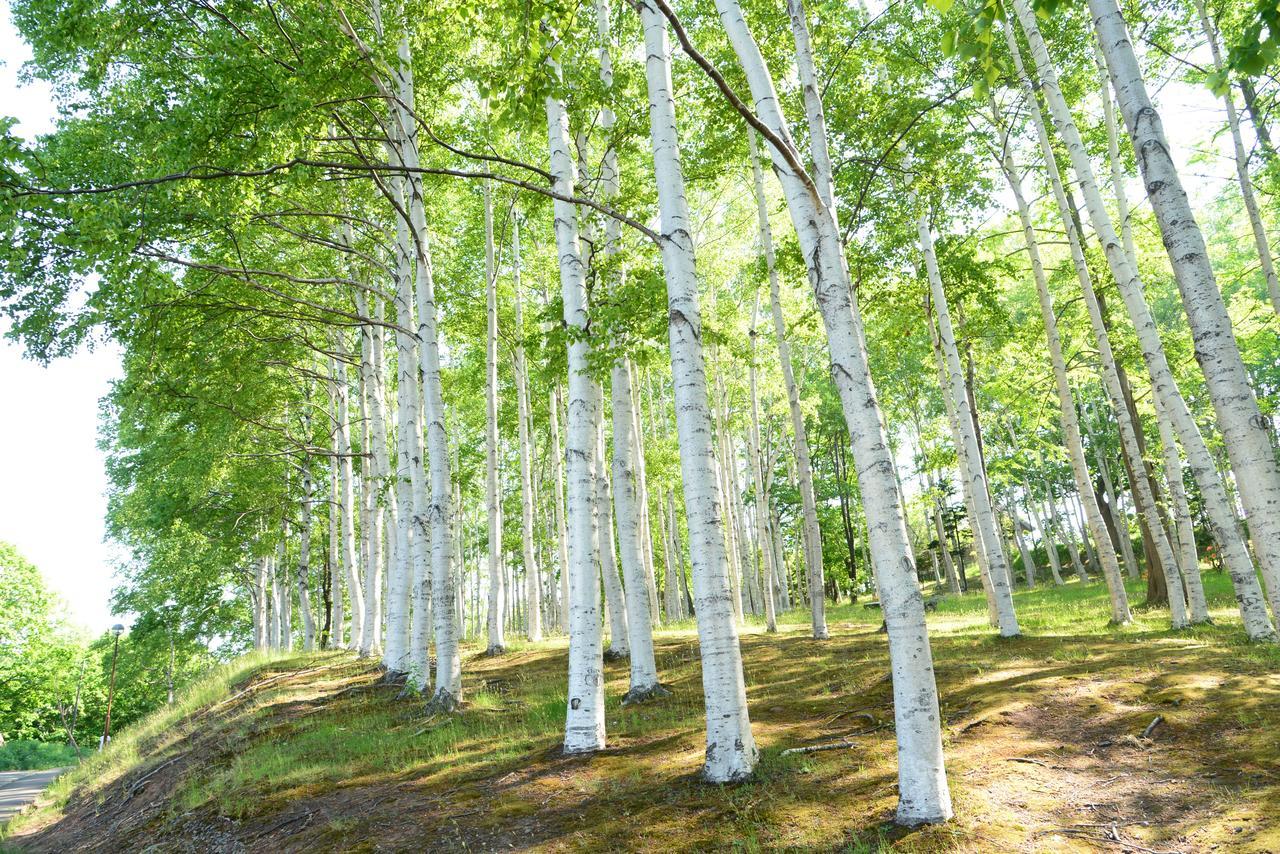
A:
x: 493, y: 774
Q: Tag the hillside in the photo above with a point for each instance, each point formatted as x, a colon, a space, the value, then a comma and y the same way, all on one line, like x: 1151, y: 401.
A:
x: 1044, y: 750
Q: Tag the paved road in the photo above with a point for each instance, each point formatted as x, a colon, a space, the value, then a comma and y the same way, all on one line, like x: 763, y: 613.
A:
x: 19, y: 788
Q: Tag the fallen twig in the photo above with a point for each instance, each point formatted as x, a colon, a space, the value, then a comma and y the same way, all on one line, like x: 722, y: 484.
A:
x: 142, y: 781
x: 1146, y: 733
x: 1029, y: 761
x: 818, y: 748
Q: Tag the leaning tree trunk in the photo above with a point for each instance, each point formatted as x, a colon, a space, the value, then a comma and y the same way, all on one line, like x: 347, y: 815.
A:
x: 1184, y: 539
x: 584, y: 724
x: 1242, y: 166
x: 731, y: 751
x: 984, y: 521
x: 1248, y: 594
x: 1115, y: 253
x: 922, y: 787
x: 1066, y: 402
x: 1245, y: 432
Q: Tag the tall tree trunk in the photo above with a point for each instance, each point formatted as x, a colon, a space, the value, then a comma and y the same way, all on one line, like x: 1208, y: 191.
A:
x: 642, y: 497
x: 304, y: 550
x: 334, y: 638
x: 998, y: 576
x: 284, y: 598
x: 497, y: 593
x: 644, y: 669
x: 764, y: 537
x: 584, y: 724
x: 1244, y: 431
x: 922, y: 787
x: 395, y: 655
x: 1219, y: 358
x: 619, y: 641
x: 350, y: 562
x: 1184, y: 539
x: 804, y: 468
x: 1242, y: 166
x: 434, y: 515
x: 1066, y: 402
x: 561, y: 533
x: 261, y: 604
x: 533, y: 581
x: 1152, y: 348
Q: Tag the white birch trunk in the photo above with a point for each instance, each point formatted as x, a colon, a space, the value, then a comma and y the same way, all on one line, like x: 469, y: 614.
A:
x: 562, y: 535
x: 644, y: 669
x: 584, y: 724
x: 304, y: 551
x: 261, y: 605
x: 1148, y: 337
x: 1222, y: 519
x: 433, y: 514
x: 804, y: 473
x: 1245, y: 432
x: 395, y: 655
x: 642, y: 499
x: 337, y: 611
x: 764, y: 539
x: 533, y: 584
x: 616, y: 608
x: 496, y: 627
x: 1184, y: 537
x: 1066, y: 402
x: 922, y: 787
x: 1242, y: 166
x: 985, y: 521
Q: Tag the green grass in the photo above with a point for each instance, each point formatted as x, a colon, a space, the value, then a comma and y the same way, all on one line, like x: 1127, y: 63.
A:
x: 329, y: 754
x: 28, y: 755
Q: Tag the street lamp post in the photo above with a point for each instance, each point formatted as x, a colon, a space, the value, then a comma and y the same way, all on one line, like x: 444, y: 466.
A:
x: 116, y: 630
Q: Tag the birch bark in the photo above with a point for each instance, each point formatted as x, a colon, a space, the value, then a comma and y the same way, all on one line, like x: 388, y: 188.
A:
x: 804, y: 468
x: 731, y: 753
x: 533, y: 583
x: 1242, y: 166
x: 1248, y: 594
x: 1245, y: 431
x: 1066, y: 402
x: 584, y: 723
x: 923, y: 793
x: 984, y: 521
x: 562, y: 534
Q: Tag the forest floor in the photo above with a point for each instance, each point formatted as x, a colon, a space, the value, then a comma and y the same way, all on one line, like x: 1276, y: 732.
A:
x: 1043, y: 736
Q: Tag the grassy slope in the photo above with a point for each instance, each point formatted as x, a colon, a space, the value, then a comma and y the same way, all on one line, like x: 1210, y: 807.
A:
x: 1040, y: 733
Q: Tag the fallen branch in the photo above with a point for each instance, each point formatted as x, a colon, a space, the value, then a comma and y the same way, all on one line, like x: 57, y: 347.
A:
x: 1028, y: 760
x: 818, y: 748
x: 1146, y: 733
x: 142, y: 781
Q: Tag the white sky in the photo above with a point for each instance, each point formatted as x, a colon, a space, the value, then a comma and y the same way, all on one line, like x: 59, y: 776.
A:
x: 52, y: 483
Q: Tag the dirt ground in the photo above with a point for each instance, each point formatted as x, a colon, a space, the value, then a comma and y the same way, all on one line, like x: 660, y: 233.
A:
x: 1143, y: 742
